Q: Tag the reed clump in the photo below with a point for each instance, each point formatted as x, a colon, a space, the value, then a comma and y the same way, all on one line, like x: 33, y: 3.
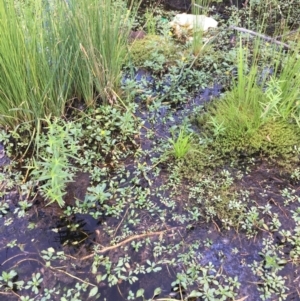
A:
x: 68, y: 50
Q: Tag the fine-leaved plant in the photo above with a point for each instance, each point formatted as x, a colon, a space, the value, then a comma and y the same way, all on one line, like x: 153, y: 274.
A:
x: 52, y: 167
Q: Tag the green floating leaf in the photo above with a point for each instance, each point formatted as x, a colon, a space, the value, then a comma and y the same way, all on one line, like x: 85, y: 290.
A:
x: 195, y: 294
x: 157, y: 291
x: 93, y: 291
x: 140, y: 293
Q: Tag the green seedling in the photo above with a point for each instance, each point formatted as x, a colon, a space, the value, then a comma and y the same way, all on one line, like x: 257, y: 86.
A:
x: 181, y: 145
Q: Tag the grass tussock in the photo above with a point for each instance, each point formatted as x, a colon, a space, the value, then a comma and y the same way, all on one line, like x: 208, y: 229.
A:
x: 34, y: 62
x: 102, y: 31
x: 258, y: 116
x: 52, y: 52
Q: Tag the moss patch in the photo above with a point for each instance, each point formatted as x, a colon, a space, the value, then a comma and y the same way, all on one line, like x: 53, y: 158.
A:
x: 153, y: 48
x: 275, y: 140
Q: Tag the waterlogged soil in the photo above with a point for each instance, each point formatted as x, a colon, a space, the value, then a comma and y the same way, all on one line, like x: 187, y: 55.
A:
x: 163, y: 226
x: 52, y: 231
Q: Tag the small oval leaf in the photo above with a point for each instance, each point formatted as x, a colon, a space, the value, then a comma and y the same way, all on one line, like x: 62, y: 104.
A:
x: 157, y: 291
x: 140, y: 293
x: 93, y: 291
x: 266, y: 227
x: 195, y: 294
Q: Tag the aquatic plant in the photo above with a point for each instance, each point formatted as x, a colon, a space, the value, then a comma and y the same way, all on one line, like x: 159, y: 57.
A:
x: 51, y: 167
x: 101, y: 30
x: 181, y: 144
x: 34, y: 59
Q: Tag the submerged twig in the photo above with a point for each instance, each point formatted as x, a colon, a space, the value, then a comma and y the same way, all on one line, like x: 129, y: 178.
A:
x: 121, y: 221
x: 129, y: 239
x: 262, y: 36
x: 27, y: 259
x: 54, y: 269
x: 287, y: 34
x: 10, y: 258
x: 72, y: 276
x: 11, y: 292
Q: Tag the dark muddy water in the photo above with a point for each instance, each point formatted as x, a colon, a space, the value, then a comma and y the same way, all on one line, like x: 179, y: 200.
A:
x: 230, y: 252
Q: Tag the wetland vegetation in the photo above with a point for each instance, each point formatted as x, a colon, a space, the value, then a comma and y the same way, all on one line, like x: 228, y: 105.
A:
x: 143, y: 163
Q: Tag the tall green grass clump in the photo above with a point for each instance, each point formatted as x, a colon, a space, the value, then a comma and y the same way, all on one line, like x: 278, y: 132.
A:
x: 34, y: 61
x: 101, y: 32
x: 259, y: 114
x: 198, y: 7
x: 54, y: 51
x: 238, y: 113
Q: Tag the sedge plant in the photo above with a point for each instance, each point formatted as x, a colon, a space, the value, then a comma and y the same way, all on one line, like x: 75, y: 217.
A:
x: 70, y: 49
x: 181, y: 144
x: 198, y: 7
x: 34, y: 61
x: 101, y: 30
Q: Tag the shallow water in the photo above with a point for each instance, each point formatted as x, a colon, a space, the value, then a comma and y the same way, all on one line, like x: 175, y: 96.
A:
x: 230, y: 252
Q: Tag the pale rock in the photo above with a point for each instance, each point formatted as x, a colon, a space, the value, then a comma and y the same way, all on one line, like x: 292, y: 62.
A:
x: 191, y: 23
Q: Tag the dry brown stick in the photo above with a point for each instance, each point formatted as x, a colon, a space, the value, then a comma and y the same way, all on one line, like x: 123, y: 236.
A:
x: 262, y: 36
x: 137, y: 236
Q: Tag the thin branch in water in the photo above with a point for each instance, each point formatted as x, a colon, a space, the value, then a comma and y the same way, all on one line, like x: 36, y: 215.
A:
x: 287, y: 34
x: 262, y: 36
x: 72, y: 276
x: 137, y: 236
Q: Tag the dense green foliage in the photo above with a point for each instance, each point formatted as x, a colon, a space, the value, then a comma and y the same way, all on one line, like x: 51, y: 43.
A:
x: 34, y: 62
x: 119, y: 173
x: 257, y: 116
x: 69, y: 50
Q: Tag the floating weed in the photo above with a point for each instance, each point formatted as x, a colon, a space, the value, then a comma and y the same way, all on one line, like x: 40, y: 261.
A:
x: 34, y: 284
x: 7, y: 279
x: 271, y: 283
